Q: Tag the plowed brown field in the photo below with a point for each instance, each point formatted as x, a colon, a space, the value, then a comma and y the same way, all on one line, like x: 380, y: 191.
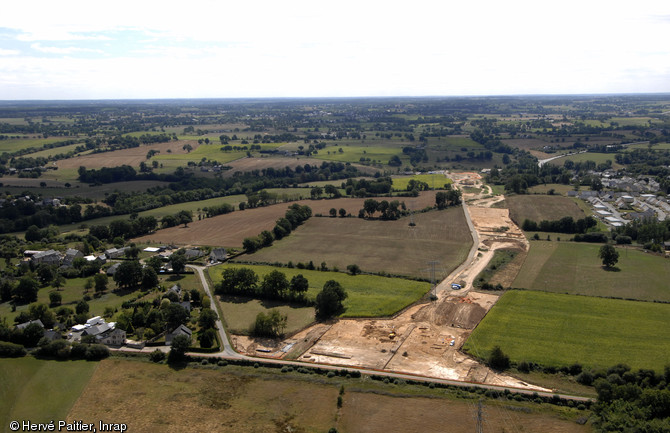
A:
x: 131, y: 157
x: 231, y: 229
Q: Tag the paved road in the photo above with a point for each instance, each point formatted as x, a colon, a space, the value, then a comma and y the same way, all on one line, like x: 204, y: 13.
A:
x: 227, y: 348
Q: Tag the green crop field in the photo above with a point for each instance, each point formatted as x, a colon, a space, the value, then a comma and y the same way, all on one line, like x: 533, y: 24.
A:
x: 13, y: 145
x: 436, y: 181
x: 213, y: 152
x: 54, y: 151
x: 355, y: 153
x: 571, y: 267
x: 369, y: 295
x: 541, y: 207
x: 40, y: 391
x: 555, y: 329
x: 378, y: 246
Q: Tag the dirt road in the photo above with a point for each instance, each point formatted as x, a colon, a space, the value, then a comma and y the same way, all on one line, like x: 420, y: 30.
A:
x: 424, y: 339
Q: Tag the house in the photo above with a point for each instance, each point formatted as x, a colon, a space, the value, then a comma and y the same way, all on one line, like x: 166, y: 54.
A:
x: 25, y: 324
x: 186, y: 305
x: 114, y: 253
x: 176, y: 289
x: 98, y: 329
x: 192, y: 253
x: 49, y: 257
x: 112, y: 269
x: 180, y: 330
x: 217, y: 255
x: 70, y: 255
x: 52, y: 335
x: 114, y: 337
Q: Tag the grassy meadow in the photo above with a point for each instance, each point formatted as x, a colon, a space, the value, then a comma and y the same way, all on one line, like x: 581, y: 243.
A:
x: 152, y: 397
x: 571, y: 267
x: 559, y: 330
x: 240, y: 313
x: 40, y: 391
x: 433, y: 180
x: 368, y: 295
x: 381, y: 154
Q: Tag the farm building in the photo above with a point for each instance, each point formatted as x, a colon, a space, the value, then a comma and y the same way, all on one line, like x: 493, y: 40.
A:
x: 217, y: 255
x: 180, y: 330
x: 70, y: 255
x: 49, y: 257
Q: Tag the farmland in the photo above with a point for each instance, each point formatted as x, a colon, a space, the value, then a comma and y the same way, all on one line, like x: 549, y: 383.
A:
x: 598, y: 158
x: 380, y: 154
x: 14, y: 145
x: 368, y: 295
x: 378, y: 246
x: 433, y: 180
x: 40, y: 391
x: 234, y: 399
x: 132, y: 156
x: 559, y: 330
x: 572, y: 267
x: 541, y: 207
x: 231, y: 229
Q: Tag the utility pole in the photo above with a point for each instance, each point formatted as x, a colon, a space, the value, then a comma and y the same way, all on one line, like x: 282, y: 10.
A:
x: 479, y: 418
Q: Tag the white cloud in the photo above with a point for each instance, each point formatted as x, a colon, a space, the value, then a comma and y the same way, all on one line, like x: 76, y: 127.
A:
x: 4, y: 52
x: 63, y: 50
x: 306, y: 48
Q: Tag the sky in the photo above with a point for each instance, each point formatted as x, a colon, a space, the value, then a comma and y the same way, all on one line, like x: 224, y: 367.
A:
x: 142, y: 49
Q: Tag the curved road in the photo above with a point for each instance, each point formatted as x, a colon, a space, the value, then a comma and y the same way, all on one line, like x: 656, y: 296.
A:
x: 229, y: 353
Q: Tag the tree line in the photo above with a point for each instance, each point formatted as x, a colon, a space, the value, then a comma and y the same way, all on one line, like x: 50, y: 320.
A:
x: 295, y: 215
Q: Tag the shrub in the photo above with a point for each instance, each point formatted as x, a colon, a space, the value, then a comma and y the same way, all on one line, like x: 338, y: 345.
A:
x: 157, y: 356
x: 96, y: 352
x: 11, y: 350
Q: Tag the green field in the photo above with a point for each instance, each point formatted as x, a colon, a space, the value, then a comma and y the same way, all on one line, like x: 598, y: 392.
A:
x: 369, y: 295
x: 598, y: 158
x: 355, y: 153
x: 40, y: 391
x: 436, y: 181
x: 657, y: 146
x: 558, y: 330
x: 240, y: 313
x: 55, y: 151
x: 571, y: 267
x: 26, y: 143
x: 212, y: 152
x: 541, y: 207
x: 378, y: 246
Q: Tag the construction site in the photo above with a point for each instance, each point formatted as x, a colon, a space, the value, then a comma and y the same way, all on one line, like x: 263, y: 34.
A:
x: 424, y: 339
